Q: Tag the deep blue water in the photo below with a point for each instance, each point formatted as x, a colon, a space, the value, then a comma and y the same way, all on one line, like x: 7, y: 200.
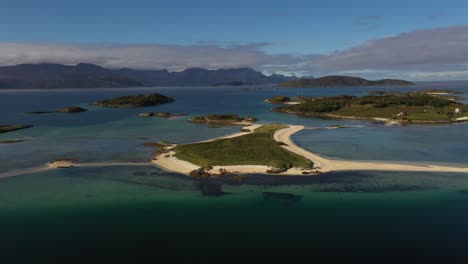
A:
x: 128, y: 212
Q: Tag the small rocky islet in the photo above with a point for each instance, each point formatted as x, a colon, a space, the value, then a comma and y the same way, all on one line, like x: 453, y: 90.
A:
x: 161, y: 114
x: 9, y: 128
x: 139, y: 100
x: 69, y: 109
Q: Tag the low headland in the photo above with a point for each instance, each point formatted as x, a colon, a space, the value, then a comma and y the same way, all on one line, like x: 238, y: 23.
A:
x: 266, y: 149
x: 405, y: 108
x: 139, y: 100
x: 224, y: 119
x: 335, y: 81
x: 4, y: 129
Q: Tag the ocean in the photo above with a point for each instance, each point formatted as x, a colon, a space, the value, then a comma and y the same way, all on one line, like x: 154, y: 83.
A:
x: 138, y: 212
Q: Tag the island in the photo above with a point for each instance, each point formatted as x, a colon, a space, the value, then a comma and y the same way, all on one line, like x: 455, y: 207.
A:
x: 266, y: 149
x: 11, y: 141
x: 161, y: 114
x: 4, y: 129
x: 280, y: 99
x: 397, y: 107
x: 224, y: 119
x: 335, y: 80
x: 139, y: 100
x: 70, y: 109
x: 256, y: 146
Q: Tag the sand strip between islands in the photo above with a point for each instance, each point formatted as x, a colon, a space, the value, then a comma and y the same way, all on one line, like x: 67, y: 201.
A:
x: 169, y: 162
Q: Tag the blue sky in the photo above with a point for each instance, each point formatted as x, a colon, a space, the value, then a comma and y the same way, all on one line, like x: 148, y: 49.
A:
x: 296, y: 28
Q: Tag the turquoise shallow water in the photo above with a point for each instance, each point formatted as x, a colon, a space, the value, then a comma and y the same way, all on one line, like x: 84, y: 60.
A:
x: 140, y: 212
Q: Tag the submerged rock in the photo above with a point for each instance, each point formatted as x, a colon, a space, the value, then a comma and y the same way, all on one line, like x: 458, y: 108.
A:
x: 282, y: 196
x: 140, y: 173
x: 210, y: 187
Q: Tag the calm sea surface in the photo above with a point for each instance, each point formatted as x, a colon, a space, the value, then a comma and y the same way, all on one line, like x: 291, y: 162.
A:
x: 143, y: 211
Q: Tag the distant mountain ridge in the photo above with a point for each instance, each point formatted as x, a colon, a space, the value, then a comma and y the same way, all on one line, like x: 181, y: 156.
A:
x: 50, y: 76
x: 335, y: 80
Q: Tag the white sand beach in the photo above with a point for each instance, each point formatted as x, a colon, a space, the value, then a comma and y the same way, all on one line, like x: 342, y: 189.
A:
x: 169, y: 162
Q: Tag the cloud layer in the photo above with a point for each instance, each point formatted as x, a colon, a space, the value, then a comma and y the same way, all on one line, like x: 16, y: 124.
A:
x: 144, y: 56
x: 438, y: 51
x: 425, y: 54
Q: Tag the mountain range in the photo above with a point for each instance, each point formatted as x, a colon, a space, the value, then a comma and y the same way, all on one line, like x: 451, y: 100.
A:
x: 51, y: 76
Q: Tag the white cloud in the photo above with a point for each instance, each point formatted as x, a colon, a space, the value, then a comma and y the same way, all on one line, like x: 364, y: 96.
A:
x: 442, y: 50
x: 143, y: 56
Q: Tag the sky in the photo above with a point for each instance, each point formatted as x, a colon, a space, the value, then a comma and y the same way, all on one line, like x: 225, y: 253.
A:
x: 412, y: 39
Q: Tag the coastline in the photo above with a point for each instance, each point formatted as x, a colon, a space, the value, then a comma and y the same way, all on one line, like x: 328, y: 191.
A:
x: 375, y: 119
x: 168, y: 162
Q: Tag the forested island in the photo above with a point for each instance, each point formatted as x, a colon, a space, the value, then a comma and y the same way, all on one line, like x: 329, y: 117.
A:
x: 135, y: 101
x: 334, y: 80
x: 398, y: 107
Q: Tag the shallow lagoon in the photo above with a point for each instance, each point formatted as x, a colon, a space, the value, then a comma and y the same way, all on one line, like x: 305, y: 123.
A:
x: 120, y: 211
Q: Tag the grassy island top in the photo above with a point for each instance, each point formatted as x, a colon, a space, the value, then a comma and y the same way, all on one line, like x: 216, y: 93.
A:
x: 223, y: 119
x: 416, y: 107
x: 136, y: 100
x: 4, y: 129
x: 280, y: 99
x: 257, y: 148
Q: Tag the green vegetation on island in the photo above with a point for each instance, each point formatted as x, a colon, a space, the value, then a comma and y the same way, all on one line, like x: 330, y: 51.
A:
x: 4, y: 129
x: 446, y: 94
x: 223, y: 119
x: 405, y: 107
x: 160, y: 114
x: 70, y: 109
x: 257, y: 148
x: 280, y: 99
x: 136, y: 101
x: 331, y: 81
